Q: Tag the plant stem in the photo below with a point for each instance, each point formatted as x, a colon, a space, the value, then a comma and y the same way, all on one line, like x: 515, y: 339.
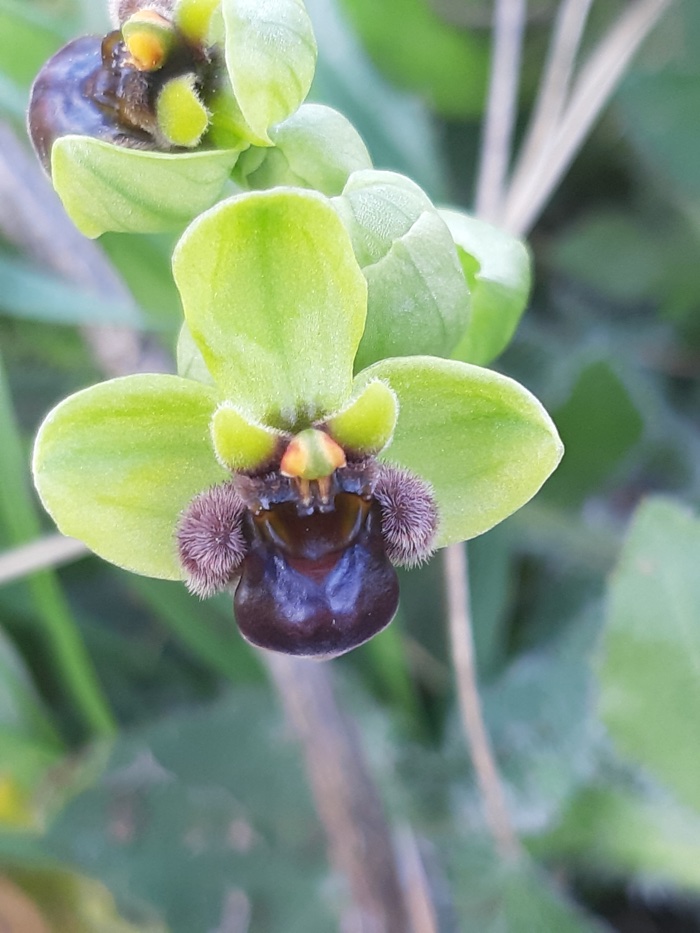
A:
x: 592, y: 90
x: 509, y: 26
x: 346, y: 797
x: 462, y: 645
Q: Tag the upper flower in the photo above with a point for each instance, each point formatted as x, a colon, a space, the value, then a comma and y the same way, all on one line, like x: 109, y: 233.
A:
x: 265, y: 462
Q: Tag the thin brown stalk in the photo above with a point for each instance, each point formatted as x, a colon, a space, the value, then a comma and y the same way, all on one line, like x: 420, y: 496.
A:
x: 462, y: 644
x: 591, y: 92
x: 43, y: 554
x: 509, y: 27
x: 567, y: 33
x: 346, y: 797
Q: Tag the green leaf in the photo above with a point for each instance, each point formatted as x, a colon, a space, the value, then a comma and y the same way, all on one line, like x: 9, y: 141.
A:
x: 599, y: 424
x: 650, y: 663
x: 116, y: 464
x: 495, y: 895
x: 418, y: 297
x: 271, y: 59
x: 418, y: 50
x: 627, y: 832
x: 105, y: 187
x: 317, y: 147
x: 29, y: 292
x: 483, y: 441
x: 217, y: 800
x: 276, y: 303
x: 496, y: 266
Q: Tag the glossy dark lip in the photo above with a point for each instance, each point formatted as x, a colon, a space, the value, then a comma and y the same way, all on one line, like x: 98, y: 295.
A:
x: 319, y: 606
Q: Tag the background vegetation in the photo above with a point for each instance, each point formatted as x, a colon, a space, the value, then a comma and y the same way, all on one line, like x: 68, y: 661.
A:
x: 190, y: 807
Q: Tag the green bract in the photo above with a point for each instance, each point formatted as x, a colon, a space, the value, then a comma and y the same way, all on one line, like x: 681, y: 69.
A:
x: 275, y: 304
x: 496, y: 266
x: 418, y: 296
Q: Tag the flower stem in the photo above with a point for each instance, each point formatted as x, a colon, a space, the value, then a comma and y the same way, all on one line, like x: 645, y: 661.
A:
x: 483, y: 759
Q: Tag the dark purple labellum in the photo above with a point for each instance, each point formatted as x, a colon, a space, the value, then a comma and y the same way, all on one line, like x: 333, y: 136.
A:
x: 316, y: 585
x: 90, y: 88
x: 76, y: 92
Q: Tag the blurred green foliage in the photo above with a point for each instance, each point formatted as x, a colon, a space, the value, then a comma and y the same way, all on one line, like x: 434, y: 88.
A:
x: 587, y: 627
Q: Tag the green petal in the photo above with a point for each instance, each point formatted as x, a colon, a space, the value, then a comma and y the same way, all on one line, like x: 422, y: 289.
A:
x: 105, y: 187
x: 367, y: 424
x: 497, y: 268
x: 182, y: 117
x: 193, y: 18
x: 271, y: 59
x: 418, y: 295
x: 240, y: 444
x: 275, y: 302
x: 190, y: 362
x: 483, y: 441
x: 317, y: 147
x: 116, y: 464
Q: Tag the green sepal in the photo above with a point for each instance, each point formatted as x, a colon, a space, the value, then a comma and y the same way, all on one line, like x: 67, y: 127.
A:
x: 316, y: 147
x: 271, y: 59
x: 182, y: 117
x: 418, y: 296
x: 497, y: 268
x: 106, y: 187
x: 117, y: 463
x: 481, y: 439
x: 367, y: 424
x: 275, y: 301
x: 240, y: 444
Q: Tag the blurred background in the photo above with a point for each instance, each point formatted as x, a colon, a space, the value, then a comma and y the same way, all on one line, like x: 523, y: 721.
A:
x: 174, y: 797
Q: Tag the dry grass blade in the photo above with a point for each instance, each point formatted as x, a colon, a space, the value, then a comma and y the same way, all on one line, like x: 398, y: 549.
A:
x: 592, y: 90
x: 509, y: 27
x: 43, y: 554
x: 554, y: 87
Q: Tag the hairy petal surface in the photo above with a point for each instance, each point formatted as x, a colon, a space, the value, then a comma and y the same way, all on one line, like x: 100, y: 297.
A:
x: 276, y: 303
x: 116, y: 464
x: 482, y: 441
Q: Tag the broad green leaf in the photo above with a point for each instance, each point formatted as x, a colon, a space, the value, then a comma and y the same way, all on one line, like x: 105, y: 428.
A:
x: 600, y: 425
x: 418, y: 50
x: 495, y: 895
x: 271, y: 59
x: 29, y: 292
x: 105, y: 187
x: 418, y: 297
x: 275, y: 302
x: 317, y: 147
x: 483, y: 441
x: 627, y: 832
x: 219, y: 801
x: 497, y: 269
x: 650, y: 661
x: 116, y: 464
